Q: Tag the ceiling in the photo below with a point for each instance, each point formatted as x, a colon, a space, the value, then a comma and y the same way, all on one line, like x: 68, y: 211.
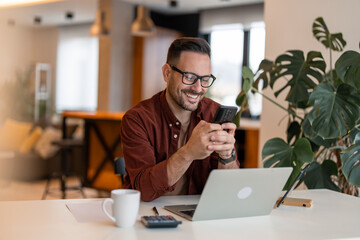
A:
x: 54, y: 11
x: 189, y: 5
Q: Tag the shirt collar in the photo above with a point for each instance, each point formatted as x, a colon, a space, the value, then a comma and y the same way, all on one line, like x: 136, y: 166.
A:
x: 169, y: 115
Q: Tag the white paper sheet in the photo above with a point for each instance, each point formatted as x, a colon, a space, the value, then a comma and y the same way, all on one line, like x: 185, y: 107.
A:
x: 88, y: 212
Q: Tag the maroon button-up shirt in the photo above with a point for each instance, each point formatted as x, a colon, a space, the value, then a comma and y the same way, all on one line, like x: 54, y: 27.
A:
x: 150, y: 134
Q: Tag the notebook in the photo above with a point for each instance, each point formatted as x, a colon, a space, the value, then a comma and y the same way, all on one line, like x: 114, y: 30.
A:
x: 233, y: 193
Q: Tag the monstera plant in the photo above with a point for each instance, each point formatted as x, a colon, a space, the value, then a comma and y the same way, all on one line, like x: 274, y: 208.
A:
x: 323, y: 110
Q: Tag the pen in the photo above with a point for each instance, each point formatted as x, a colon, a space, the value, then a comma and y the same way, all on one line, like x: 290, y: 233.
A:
x: 156, y: 211
x: 292, y: 186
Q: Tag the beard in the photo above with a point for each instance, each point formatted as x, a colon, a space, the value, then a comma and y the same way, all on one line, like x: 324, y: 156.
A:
x: 179, y: 96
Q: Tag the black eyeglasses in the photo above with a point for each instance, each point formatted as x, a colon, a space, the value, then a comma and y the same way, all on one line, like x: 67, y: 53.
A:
x: 190, y: 78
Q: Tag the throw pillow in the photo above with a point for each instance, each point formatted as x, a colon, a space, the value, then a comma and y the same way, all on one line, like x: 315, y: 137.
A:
x: 44, y: 146
x: 31, y: 140
x: 13, y: 133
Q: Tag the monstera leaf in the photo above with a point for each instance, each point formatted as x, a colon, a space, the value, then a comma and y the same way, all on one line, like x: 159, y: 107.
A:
x: 348, y: 68
x: 241, y: 99
x: 237, y: 118
x: 324, y: 112
x: 278, y: 153
x: 351, y: 162
x: 332, y: 77
x: 265, y: 68
x: 315, y: 140
x: 319, y: 175
x: 293, y: 131
x: 248, y: 80
x: 301, y: 72
x: 248, y: 77
x: 354, y: 134
x: 321, y: 32
x: 335, y: 111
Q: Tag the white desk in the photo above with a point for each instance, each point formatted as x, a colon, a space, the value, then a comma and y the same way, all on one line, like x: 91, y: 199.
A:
x: 332, y: 216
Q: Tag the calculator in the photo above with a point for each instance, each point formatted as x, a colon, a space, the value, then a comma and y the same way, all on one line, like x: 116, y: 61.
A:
x: 160, y: 221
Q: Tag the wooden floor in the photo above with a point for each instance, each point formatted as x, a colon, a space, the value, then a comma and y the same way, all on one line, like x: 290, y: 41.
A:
x: 11, y: 190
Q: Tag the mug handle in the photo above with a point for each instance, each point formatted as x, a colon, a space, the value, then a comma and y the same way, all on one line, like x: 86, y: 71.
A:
x: 104, y: 209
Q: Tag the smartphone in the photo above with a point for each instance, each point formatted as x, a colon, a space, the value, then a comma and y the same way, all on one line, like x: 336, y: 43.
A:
x: 225, y: 114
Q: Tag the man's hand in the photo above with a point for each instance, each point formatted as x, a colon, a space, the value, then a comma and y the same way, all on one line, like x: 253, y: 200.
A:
x: 204, y: 140
x: 199, y: 143
x: 223, y: 140
x: 197, y: 147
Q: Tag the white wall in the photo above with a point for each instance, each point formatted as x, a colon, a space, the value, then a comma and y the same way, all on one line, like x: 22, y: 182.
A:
x: 21, y: 47
x: 289, y: 26
x: 16, y: 48
x: 45, y: 51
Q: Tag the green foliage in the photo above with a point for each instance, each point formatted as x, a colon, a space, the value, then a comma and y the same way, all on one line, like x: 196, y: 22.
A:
x: 293, y: 131
x: 348, y: 68
x: 248, y: 77
x: 282, y: 154
x: 265, y: 68
x: 319, y: 175
x: 300, y: 72
x: 330, y: 107
x: 354, y: 133
x: 321, y: 32
x: 277, y: 153
x: 17, y: 97
x: 241, y: 99
x: 314, y: 138
x: 335, y: 111
x: 351, y: 159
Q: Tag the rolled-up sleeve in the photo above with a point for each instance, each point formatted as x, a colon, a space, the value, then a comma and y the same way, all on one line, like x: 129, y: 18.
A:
x: 144, y: 172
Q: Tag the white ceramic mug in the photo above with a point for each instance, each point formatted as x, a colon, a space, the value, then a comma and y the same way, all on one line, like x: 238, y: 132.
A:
x: 125, y: 206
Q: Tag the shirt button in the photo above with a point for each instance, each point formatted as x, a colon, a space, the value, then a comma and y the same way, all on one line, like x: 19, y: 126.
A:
x: 170, y: 125
x: 177, y: 123
x: 175, y: 135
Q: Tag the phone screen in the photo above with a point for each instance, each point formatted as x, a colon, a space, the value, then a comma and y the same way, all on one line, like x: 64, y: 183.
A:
x: 225, y: 114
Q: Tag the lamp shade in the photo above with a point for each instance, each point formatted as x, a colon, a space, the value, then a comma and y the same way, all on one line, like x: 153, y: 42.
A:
x: 143, y: 25
x: 98, y: 28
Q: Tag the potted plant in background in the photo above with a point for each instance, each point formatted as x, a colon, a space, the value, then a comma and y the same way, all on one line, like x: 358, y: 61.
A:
x: 323, y: 113
x: 17, y: 97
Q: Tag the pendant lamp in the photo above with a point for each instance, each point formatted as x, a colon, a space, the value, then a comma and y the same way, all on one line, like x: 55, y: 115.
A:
x: 99, y: 28
x: 143, y: 25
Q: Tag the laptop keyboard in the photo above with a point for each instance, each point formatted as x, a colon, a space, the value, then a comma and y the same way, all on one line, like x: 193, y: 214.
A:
x: 188, y: 212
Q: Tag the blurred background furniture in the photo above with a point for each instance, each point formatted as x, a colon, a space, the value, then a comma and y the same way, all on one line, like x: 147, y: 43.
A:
x: 24, y: 150
x: 101, y: 146
x: 67, y: 147
x: 247, y: 142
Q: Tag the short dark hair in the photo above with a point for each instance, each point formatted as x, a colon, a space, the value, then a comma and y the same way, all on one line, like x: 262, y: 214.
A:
x: 191, y: 44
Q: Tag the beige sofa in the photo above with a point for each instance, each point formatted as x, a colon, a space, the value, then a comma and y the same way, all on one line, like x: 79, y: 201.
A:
x: 26, y: 152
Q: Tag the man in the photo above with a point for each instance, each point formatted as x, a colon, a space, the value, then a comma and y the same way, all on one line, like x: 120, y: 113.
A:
x: 169, y: 143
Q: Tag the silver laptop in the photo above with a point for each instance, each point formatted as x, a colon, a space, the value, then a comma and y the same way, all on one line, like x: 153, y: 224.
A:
x: 233, y: 193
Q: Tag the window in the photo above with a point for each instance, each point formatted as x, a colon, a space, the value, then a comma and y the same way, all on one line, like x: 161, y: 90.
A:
x: 257, y: 45
x: 77, y: 69
x: 226, y: 59
x: 256, y: 55
x: 230, y: 44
